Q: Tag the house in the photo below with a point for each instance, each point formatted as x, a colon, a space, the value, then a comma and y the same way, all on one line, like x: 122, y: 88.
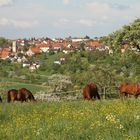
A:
x: 57, y: 62
x: 57, y: 47
x: 44, y: 47
x: 26, y: 64
x: 29, y: 52
x: 5, y: 53
x: 24, y: 59
x: 19, y: 60
x: 33, y: 50
x: 78, y: 39
x: 65, y: 51
x: 32, y: 68
x: 93, y: 44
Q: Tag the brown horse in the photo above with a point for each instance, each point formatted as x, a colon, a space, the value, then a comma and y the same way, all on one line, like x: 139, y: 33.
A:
x: 129, y: 89
x: 25, y: 95
x: 90, y: 91
x: 12, y: 95
x: 22, y: 95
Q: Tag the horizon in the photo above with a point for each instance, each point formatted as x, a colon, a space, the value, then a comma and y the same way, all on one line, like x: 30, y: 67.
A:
x: 64, y: 18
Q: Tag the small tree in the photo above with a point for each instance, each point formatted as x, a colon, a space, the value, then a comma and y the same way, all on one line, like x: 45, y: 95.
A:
x: 59, y: 82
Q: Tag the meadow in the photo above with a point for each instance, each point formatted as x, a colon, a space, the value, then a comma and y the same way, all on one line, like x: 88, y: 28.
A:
x: 71, y: 120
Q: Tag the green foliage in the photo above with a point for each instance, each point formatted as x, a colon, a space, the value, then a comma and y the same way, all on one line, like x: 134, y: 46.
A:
x: 3, y: 42
x: 128, y: 33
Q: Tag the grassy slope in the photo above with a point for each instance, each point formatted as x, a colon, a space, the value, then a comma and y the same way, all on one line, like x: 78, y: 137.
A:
x: 109, y: 120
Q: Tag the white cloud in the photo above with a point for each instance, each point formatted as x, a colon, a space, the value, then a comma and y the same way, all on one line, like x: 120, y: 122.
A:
x: 87, y: 22
x: 5, y: 2
x: 98, y: 8
x: 66, y: 2
x: 105, y: 8
x: 61, y: 22
x: 17, y: 23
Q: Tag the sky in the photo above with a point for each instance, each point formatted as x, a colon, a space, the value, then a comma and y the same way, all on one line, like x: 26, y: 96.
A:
x: 64, y: 18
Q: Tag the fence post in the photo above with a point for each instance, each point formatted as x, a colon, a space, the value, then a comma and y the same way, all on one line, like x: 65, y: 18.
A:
x: 104, y: 93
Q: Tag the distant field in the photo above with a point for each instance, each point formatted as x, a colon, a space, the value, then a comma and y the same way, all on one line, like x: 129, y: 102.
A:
x: 99, y: 120
x: 17, y: 85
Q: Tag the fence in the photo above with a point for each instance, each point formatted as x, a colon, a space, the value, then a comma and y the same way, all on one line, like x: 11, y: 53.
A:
x: 109, y: 92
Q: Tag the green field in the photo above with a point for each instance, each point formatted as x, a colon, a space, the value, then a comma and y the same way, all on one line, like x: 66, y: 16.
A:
x: 77, y: 120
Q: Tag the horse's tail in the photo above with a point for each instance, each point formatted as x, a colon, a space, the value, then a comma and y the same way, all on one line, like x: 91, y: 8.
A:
x: 8, y: 97
x: 97, y: 94
x: 0, y: 99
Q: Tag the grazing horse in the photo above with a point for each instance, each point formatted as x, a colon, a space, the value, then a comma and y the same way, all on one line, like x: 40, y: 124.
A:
x: 12, y: 95
x: 0, y: 100
x: 25, y: 95
x: 129, y: 89
x: 22, y: 95
x: 90, y: 91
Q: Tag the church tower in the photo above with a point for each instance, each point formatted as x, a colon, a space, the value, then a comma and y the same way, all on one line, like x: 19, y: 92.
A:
x: 14, y: 47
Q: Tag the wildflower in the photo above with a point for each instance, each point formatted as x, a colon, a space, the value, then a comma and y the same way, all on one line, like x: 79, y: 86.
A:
x: 111, y: 118
x: 137, y: 117
x: 121, y: 126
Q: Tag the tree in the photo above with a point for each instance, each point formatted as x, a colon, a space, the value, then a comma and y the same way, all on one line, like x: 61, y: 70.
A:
x: 59, y: 82
x: 86, y: 37
x: 82, y: 46
x: 3, y: 42
x: 129, y: 33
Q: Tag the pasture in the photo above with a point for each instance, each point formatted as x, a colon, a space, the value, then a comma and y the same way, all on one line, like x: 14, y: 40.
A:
x: 71, y: 120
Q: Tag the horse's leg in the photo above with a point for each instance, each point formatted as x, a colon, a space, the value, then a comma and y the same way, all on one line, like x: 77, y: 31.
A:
x: 126, y: 96
x: 98, y: 96
x: 8, y: 99
x: 13, y: 99
x: 122, y: 96
x: 136, y: 96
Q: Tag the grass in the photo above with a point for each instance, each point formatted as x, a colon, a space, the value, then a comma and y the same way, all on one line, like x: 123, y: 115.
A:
x: 105, y: 120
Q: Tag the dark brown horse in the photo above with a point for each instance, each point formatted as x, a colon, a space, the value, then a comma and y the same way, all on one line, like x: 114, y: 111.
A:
x: 25, y: 95
x: 90, y: 91
x: 129, y: 89
x: 12, y: 95
x: 22, y: 95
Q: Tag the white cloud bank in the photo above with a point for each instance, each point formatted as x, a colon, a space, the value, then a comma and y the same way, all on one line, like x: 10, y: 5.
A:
x: 66, y: 2
x: 5, y: 2
x: 87, y: 22
x: 17, y: 23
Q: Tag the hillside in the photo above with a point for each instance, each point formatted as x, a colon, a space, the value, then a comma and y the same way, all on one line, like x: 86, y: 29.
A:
x: 80, y: 68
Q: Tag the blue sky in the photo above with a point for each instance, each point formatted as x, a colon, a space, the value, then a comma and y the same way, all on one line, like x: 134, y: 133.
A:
x: 63, y: 18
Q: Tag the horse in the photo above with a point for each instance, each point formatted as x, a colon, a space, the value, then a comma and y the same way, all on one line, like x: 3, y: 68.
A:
x: 12, y: 95
x: 22, y: 95
x: 25, y: 95
x: 0, y: 99
x: 90, y: 91
x: 129, y: 89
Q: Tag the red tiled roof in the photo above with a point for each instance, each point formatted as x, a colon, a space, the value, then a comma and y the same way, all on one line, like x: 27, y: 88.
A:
x: 36, y: 50
x: 4, y: 53
x: 43, y: 45
x: 94, y: 44
x: 57, y: 45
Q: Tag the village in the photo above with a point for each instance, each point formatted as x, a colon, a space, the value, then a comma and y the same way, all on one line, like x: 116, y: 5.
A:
x: 22, y: 49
